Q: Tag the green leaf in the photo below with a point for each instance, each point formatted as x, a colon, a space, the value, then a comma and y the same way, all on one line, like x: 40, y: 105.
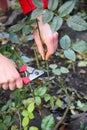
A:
x: 25, y: 113
x: 64, y: 70
x: 80, y: 46
x: 26, y: 30
x: 37, y: 12
x: 16, y: 28
x: 2, y: 126
x: 25, y: 121
x: 7, y: 120
x: 38, y: 3
x: 84, y: 108
x: 33, y: 128
x: 31, y: 116
x: 47, y: 16
x: 14, y: 127
x: 47, y: 97
x: 79, y: 104
x: 41, y: 91
x: 65, y: 42
x: 52, y: 4
x: 82, y: 125
x: 27, y: 101
x: 38, y: 100
x: 48, y: 123
x: 53, y: 66
x: 77, y: 23
x: 70, y: 54
x: 82, y: 63
x: 59, y: 103
x: 14, y: 38
x: 56, y: 23
x: 31, y: 107
x: 66, y: 8
x: 57, y: 71
x: 4, y: 108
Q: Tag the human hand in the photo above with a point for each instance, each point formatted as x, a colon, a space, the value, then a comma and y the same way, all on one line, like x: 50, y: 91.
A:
x: 48, y: 38
x: 9, y: 76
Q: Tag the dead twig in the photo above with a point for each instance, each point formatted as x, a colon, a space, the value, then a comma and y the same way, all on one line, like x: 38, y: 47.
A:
x: 64, y: 115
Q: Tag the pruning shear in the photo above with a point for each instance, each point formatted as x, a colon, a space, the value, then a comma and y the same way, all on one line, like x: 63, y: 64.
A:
x: 30, y: 73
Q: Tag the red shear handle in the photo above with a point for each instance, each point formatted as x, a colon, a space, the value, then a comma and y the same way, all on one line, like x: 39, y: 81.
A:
x: 25, y: 80
x: 22, y: 69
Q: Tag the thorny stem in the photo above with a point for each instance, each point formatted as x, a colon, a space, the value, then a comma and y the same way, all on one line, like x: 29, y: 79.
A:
x: 65, y: 113
x: 47, y: 66
x: 40, y: 37
x: 42, y: 47
x: 36, y: 57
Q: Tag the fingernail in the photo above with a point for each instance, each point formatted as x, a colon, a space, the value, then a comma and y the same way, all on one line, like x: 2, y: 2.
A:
x: 43, y: 57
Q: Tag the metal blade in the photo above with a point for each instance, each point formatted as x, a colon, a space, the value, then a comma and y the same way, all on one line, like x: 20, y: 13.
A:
x: 33, y: 73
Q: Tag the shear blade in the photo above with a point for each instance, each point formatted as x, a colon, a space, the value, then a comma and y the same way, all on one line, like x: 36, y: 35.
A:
x: 33, y: 73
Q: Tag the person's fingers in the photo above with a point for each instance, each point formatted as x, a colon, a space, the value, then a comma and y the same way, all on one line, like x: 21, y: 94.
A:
x: 52, y: 45
x: 55, y: 36
x: 12, y: 85
x: 50, y: 48
x: 39, y: 44
x: 5, y: 86
x: 19, y: 83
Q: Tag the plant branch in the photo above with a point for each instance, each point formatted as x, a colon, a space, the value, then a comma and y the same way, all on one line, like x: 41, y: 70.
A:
x: 40, y: 38
x: 64, y: 115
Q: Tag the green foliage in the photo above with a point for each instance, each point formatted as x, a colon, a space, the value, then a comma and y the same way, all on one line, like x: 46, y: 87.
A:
x: 47, y: 16
x: 36, y: 13
x: 38, y: 3
x: 65, y: 42
x: 25, y: 121
x: 66, y: 8
x: 16, y: 28
x: 28, y: 112
x: 56, y: 23
x: 58, y: 71
x: 14, y: 38
x: 77, y: 23
x: 70, y: 49
x: 53, y: 4
x: 70, y: 54
x: 33, y: 128
x: 80, y: 46
x: 83, y: 126
x: 48, y: 123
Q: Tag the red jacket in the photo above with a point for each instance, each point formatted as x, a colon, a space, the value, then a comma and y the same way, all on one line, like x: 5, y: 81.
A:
x: 28, y: 5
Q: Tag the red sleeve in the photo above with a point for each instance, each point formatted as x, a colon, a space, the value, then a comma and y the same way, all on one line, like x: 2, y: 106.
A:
x: 3, y: 4
x: 28, y: 5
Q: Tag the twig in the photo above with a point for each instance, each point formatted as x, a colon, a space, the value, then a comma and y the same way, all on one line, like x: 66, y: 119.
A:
x: 19, y: 119
x: 64, y: 115
x: 40, y: 38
